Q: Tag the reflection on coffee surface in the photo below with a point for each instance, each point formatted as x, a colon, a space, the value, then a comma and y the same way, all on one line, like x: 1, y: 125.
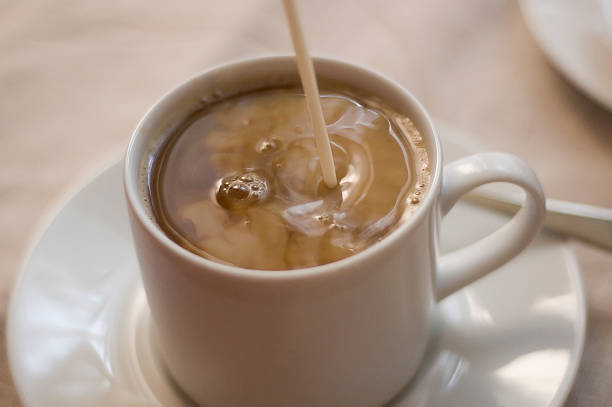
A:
x: 239, y: 181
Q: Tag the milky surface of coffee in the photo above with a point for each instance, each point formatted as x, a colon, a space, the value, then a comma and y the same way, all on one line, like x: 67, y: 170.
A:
x: 239, y: 182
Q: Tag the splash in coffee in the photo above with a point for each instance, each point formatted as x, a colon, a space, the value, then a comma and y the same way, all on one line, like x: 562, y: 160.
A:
x: 239, y: 181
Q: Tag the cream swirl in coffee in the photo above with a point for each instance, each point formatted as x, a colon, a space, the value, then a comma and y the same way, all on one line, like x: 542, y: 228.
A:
x: 239, y: 181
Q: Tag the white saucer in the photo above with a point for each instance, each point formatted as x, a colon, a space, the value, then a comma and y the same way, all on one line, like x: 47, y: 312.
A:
x: 79, y: 334
x: 577, y: 38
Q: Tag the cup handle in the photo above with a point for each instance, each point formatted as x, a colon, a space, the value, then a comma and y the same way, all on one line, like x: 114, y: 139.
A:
x: 461, y: 267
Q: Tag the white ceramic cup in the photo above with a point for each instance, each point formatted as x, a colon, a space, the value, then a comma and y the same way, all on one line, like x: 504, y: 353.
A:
x: 350, y: 333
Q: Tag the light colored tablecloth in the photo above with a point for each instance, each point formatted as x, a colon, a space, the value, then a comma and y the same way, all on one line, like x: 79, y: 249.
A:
x: 75, y: 76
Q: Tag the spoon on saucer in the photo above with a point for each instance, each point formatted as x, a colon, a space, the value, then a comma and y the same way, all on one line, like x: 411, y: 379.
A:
x: 592, y: 224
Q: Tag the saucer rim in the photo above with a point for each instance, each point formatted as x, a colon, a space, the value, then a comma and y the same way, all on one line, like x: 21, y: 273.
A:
x: 116, y: 158
x: 566, y: 385
x: 42, y: 224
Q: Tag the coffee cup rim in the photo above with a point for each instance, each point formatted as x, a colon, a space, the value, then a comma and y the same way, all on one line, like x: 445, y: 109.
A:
x: 135, y: 200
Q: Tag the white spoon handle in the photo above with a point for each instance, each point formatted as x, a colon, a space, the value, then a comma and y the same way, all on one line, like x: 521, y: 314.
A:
x: 589, y: 223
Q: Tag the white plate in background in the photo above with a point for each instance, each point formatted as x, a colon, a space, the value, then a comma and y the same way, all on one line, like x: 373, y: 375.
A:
x: 576, y: 35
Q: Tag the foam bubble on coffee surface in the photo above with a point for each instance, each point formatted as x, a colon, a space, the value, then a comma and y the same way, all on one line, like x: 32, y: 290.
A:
x: 240, y: 191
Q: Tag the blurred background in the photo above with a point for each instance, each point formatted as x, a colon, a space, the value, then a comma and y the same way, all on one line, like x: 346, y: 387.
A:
x: 76, y: 76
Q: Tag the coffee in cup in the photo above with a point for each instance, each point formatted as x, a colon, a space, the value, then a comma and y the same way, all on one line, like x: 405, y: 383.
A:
x: 239, y: 181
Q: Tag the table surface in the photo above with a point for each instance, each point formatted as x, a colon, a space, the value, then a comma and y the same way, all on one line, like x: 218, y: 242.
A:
x: 77, y: 76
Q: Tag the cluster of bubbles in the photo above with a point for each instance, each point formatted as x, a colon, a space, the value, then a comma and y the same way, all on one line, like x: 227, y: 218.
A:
x: 241, y: 191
